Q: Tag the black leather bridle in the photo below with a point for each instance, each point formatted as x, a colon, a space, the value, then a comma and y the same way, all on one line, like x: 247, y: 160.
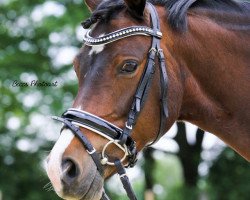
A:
x: 74, y: 118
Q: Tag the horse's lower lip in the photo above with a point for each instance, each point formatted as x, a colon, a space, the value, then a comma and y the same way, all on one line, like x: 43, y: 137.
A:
x: 90, y: 186
x: 91, y: 192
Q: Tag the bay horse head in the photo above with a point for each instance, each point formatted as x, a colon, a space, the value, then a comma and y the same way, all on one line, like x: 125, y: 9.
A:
x: 115, y: 68
x: 129, y: 95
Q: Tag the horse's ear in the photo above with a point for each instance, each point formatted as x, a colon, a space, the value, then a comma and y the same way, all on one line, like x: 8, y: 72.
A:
x: 92, y: 4
x: 136, y: 7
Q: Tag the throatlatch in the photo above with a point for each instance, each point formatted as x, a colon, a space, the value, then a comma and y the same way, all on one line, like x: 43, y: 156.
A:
x: 74, y: 118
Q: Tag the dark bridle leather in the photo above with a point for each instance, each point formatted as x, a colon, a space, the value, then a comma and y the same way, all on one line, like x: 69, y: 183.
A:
x: 74, y: 118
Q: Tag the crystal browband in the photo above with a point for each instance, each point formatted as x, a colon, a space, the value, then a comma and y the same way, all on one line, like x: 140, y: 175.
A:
x: 119, y: 34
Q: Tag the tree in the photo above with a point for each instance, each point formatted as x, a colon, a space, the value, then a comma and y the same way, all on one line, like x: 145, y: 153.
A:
x: 190, y: 158
x: 149, y: 166
x: 33, y: 33
x: 229, y: 177
x: 189, y: 154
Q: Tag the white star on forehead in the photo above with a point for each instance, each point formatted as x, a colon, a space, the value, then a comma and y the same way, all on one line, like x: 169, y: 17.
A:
x: 97, y: 48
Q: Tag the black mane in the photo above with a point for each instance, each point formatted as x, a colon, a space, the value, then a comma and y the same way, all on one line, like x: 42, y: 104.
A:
x: 177, y: 10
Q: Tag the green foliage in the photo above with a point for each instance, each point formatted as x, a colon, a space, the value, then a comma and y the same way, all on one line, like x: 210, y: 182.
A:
x: 168, y: 174
x: 22, y: 177
x: 25, y: 54
x: 229, y: 177
x: 183, y: 193
x: 115, y: 193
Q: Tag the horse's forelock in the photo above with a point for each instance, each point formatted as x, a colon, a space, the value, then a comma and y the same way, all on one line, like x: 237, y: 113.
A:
x: 104, y: 12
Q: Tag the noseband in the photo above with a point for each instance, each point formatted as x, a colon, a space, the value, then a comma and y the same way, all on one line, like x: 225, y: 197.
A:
x: 74, y: 118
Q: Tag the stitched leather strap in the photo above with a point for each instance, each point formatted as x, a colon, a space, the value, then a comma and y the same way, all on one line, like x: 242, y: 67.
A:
x: 83, y: 139
x: 104, y: 196
x: 125, y: 180
x: 143, y: 87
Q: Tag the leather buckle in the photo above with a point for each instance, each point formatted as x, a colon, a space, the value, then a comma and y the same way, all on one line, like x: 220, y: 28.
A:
x: 130, y: 127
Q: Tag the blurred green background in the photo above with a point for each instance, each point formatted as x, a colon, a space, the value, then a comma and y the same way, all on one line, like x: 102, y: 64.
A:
x: 38, y: 40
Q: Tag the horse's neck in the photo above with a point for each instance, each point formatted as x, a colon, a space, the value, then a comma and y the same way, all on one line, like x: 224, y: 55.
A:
x: 215, y: 67
x: 235, y: 20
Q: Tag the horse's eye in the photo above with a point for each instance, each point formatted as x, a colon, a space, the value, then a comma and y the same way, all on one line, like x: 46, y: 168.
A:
x: 129, y: 67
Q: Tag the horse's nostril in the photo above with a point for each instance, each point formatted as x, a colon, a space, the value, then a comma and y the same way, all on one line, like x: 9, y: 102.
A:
x: 69, y: 171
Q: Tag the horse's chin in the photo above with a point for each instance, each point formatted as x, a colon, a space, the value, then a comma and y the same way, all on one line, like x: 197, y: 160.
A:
x: 93, y: 191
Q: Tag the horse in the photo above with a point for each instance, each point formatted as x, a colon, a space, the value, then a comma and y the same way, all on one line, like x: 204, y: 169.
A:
x: 143, y: 66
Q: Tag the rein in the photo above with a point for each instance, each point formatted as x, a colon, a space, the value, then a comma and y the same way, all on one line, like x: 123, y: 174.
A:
x: 74, y: 118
